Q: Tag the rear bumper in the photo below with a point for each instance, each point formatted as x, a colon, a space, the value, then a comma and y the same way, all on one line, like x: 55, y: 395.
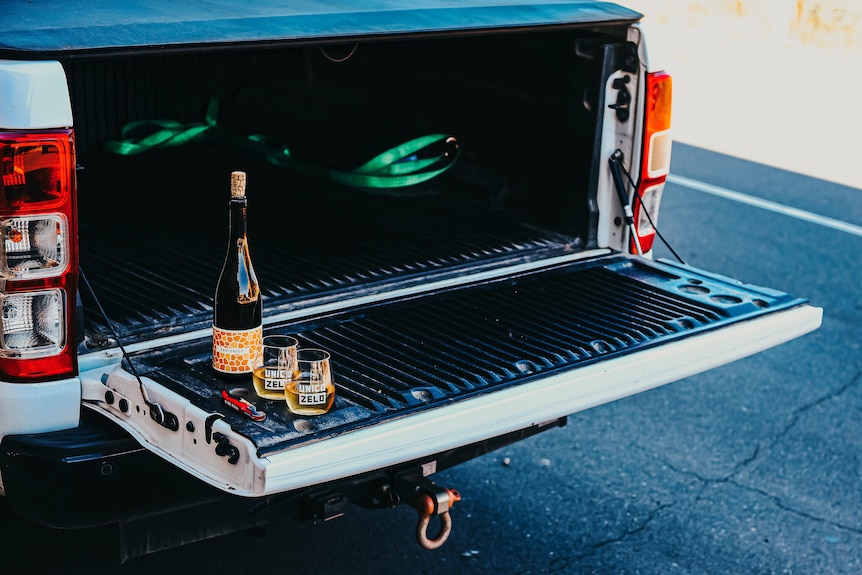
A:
x: 39, y: 407
x: 96, y: 475
x: 93, y: 474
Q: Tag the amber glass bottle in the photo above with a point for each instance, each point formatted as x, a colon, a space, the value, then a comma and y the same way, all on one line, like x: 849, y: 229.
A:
x: 237, y: 309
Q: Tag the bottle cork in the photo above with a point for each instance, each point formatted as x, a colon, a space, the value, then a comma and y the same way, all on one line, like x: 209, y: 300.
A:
x: 237, y: 184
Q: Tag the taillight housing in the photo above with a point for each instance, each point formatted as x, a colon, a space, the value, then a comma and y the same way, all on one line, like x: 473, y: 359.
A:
x: 38, y: 255
x: 655, y: 162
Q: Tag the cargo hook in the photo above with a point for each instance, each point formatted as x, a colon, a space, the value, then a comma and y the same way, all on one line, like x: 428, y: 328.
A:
x: 425, y: 505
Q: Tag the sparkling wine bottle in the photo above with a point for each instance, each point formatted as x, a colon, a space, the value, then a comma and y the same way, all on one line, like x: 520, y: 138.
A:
x: 237, y: 309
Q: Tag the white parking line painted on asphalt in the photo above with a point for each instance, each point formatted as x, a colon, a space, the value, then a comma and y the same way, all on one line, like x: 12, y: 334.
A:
x: 765, y: 204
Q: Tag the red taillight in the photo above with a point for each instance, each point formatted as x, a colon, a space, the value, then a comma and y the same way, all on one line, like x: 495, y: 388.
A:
x: 38, y: 255
x: 655, y: 163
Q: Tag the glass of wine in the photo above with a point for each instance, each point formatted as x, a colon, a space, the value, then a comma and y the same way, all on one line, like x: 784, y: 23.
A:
x: 312, y: 390
x: 277, y: 366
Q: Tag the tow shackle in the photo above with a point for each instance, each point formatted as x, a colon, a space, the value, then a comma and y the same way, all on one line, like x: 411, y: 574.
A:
x: 413, y: 487
x: 428, y: 506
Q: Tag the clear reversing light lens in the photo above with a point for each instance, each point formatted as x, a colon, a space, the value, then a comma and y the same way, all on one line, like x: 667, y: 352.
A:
x: 32, y: 323
x: 658, y: 163
x: 33, y: 246
x: 649, y: 213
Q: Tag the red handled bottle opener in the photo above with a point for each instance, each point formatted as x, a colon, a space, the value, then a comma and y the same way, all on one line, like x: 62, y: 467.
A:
x: 243, y: 406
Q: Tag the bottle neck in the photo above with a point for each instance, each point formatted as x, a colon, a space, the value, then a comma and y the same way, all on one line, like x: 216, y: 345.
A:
x: 238, y: 223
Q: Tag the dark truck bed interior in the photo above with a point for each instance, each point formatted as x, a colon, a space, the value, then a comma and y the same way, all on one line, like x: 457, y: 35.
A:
x: 523, y: 107
x: 153, y: 226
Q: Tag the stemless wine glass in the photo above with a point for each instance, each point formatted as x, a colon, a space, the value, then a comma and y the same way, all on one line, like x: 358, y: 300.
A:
x: 312, y: 390
x: 277, y: 366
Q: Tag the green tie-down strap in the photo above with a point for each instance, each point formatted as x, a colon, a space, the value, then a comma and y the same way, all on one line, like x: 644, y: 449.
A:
x: 398, y: 167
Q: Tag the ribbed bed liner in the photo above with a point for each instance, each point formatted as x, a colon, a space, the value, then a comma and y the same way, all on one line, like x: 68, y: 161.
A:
x: 154, y: 272
x: 396, y: 358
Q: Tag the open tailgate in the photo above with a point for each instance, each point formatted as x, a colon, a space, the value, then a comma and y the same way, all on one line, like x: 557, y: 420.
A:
x: 419, y: 373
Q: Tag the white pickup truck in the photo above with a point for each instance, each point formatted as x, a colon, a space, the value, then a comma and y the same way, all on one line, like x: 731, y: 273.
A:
x: 458, y: 201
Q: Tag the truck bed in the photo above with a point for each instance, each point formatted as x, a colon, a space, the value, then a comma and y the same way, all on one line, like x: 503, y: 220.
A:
x: 425, y: 297
x: 477, y: 304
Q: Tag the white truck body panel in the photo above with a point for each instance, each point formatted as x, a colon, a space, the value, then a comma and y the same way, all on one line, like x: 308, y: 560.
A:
x: 34, y: 95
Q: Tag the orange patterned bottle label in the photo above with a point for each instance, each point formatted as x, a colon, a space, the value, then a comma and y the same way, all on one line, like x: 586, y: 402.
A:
x: 236, y: 351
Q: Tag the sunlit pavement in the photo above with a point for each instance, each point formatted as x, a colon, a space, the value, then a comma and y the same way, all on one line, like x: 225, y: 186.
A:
x: 771, y: 82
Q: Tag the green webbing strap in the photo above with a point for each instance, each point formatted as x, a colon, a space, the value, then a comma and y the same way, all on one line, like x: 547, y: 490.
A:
x: 397, y: 167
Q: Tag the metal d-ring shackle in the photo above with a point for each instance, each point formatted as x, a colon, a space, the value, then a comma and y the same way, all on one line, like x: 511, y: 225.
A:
x: 426, y: 508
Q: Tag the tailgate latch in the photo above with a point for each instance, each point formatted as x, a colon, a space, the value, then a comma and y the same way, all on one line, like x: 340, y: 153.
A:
x: 624, y: 98
x: 225, y: 449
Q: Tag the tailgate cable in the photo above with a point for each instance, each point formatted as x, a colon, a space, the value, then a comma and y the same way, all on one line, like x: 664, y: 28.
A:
x: 616, y: 161
x: 157, y: 413
x: 617, y: 170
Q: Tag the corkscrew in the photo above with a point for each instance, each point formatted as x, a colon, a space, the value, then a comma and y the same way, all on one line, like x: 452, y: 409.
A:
x: 243, y: 406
